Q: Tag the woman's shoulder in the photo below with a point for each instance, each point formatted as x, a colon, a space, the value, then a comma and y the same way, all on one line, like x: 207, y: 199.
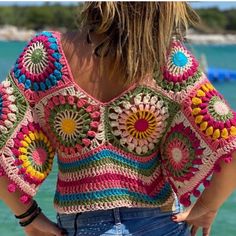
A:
x: 39, y: 67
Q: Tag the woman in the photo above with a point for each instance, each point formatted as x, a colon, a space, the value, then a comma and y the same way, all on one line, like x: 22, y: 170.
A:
x: 135, y: 124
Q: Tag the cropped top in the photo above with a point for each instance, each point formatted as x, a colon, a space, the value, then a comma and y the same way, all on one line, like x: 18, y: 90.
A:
x: 153, y: 141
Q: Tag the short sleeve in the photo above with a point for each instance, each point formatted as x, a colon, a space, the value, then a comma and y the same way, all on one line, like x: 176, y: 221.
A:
x: 203, y: 131
x: 26, y: 154
x: 41, y: 68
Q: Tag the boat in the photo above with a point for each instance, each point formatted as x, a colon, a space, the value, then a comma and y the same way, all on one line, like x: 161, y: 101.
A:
x: 220, y: 74
x: 216, y: 74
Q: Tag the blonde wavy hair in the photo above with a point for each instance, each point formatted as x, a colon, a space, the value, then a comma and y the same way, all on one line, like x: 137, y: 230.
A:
x: 137, y: 34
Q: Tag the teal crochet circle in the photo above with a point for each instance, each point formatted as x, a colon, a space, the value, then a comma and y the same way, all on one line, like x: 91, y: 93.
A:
x: 179, y: 59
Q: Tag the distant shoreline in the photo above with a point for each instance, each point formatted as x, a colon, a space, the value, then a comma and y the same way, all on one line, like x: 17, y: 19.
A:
x: 216, y: 39
x: 12, y: 33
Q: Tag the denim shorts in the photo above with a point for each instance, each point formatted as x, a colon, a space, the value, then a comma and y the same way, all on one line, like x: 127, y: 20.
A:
x: 123, y: 221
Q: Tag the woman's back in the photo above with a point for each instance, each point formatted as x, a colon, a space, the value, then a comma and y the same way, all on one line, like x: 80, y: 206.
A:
x: 84, y: 65
x: 106, y: 149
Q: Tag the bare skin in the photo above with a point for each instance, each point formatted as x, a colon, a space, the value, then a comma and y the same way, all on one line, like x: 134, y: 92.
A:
x: 85, y: 69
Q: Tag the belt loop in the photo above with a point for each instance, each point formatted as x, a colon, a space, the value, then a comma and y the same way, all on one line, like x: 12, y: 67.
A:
x: 116, y: 213
x: 75, y: 223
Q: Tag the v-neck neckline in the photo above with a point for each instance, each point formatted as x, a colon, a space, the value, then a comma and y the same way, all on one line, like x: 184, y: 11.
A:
x: 72, y: 79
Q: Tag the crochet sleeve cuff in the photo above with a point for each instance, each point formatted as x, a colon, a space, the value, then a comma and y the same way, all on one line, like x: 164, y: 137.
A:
x: 201, y: 134
x: 26, y: 154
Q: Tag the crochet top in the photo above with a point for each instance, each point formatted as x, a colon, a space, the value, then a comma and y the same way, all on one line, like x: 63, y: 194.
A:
x: 156, y: 139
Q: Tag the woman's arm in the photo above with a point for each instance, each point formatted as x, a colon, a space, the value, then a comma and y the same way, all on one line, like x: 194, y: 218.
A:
x: 12, y: 200
x: 222, y: 185
x: 21, y: 135
x: 203, y: 132
x: 40, y: 226
x: 203, y: 212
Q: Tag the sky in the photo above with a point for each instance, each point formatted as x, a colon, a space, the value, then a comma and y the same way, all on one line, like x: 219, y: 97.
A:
x: 221, y: 4
x: 33, y: 3
x: 195, y: 4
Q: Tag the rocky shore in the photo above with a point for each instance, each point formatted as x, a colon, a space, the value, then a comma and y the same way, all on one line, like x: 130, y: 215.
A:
x: 212, y: 38
x: 12, y: 33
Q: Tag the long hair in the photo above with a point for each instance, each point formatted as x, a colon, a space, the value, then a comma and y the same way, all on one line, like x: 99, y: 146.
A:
x: 137, y: 34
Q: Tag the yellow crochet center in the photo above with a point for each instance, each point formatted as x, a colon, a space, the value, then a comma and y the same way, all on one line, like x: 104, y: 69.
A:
x: 68, y: 126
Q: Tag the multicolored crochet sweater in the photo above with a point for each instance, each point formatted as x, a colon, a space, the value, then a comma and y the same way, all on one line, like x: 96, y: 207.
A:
x: 136, y: 150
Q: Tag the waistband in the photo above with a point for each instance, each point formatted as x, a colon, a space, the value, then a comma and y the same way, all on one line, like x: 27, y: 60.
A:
x: 121, y: 213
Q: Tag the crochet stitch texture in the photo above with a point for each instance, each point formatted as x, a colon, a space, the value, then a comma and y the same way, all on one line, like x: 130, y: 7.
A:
x: 136, y: 150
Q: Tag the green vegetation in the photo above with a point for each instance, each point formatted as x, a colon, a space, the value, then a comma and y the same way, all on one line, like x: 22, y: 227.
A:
x: 57, y: 16
x: 38, y: 18
x: 215, y: 21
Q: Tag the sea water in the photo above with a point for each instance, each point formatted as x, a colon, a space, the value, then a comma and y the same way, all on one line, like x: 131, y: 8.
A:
x: 219, y: 56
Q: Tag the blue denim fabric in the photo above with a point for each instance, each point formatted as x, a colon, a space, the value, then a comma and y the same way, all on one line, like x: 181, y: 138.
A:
x: 123, y: 222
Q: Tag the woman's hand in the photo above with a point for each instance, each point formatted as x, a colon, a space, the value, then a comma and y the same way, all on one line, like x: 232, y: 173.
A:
x: 203, y: 212
x: 198, y: 216
x: 42, y: 226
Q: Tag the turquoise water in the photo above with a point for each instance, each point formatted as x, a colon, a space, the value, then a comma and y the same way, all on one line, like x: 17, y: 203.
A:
x: 218, y: 56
